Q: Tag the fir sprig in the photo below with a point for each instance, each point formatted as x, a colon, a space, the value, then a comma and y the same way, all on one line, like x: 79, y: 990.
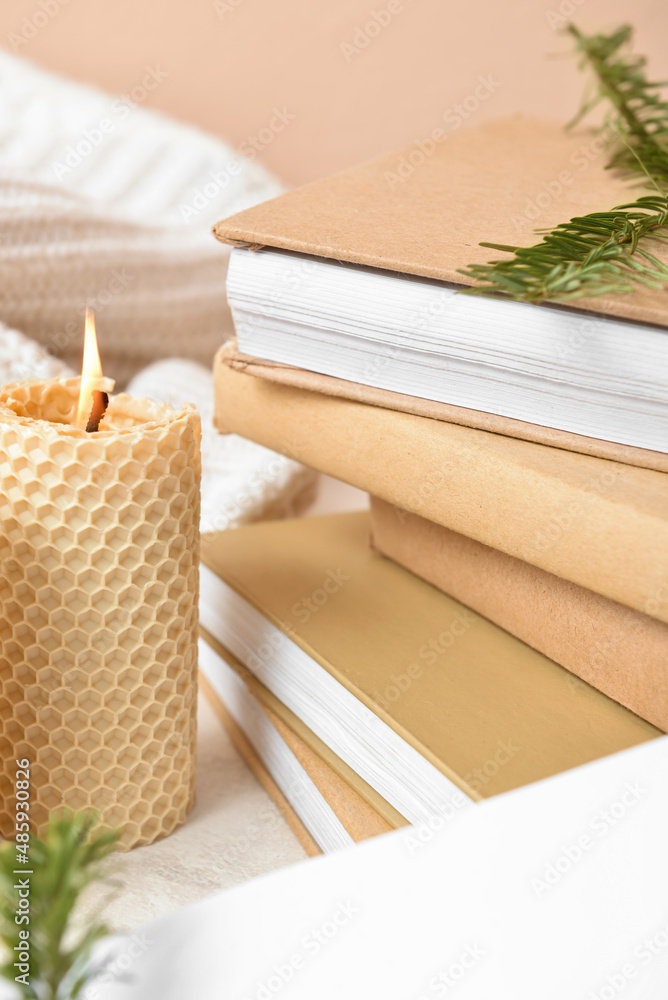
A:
x: 602, y: 253
x: 63, y: 864
x: 639, y: 110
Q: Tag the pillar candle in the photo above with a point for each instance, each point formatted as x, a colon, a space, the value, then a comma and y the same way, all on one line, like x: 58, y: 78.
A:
x: 99, y: 537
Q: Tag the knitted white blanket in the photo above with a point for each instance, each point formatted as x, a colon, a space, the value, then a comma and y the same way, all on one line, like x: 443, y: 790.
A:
x: 109, y: 204
x: 241, y: 480
x: 117, y: 226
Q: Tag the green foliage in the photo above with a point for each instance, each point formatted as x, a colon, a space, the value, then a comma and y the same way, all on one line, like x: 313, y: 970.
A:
x: 64, y: 863
x: 639, y: 112
x: 605, y: 252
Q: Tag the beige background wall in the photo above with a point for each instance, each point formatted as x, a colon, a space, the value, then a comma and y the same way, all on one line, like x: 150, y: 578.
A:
x: 353, y: 92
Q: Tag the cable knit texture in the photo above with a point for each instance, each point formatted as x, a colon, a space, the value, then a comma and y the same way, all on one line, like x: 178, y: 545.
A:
x: 119, y: 219
x: 118, y: 227
x: 241, y: 481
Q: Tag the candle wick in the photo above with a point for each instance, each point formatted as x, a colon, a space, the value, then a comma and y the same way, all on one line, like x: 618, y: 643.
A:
x: 98, y: 410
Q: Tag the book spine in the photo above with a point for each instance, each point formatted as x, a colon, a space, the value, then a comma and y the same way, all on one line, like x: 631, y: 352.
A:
x: 617, y: 650
x: 588, y: 520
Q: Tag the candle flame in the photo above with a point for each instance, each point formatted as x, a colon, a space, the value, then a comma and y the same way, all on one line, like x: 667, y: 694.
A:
x: 91, y: 372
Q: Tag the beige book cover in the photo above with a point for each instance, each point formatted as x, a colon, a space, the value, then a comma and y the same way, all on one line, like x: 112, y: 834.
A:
x: 363, y: 812
x: 598, y: 523
x: 424, y: 210
x: 488, y: 711
x: 331, y: 386
x: 619, y: 651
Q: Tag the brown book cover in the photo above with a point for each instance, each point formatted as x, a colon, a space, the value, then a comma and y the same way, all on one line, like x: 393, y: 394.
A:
x: 363, y: 812
x: 485, y: 709
x: 497, y: 181
x: 424, y: 211
x: 331, y: 386
x: 594, y: 522
x: 617, y: 650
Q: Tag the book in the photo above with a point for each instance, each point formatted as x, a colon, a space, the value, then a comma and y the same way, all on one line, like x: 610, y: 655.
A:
x: 306, y: 738
x: 615, y: 649
x: 432, y: 705
x: 300, y: 378
x: 358, y: 279
x: 256, y: 764
x: 588, y: 520
x: 324, y: 811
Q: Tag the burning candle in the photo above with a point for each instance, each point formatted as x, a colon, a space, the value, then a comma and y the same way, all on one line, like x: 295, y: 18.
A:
x: 99, y: 563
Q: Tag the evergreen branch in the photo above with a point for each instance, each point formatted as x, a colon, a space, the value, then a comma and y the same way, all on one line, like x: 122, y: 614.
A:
x: 591, y: 255
x: 64, y: 863
x: 640, y: 110
x: 602, y: 253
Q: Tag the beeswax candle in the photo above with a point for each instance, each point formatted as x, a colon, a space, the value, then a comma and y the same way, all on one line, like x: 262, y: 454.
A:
x: 99, y: 539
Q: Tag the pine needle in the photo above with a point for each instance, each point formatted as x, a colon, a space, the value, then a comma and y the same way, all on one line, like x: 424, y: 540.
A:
x: 603, y: 253
x: 63, y: 864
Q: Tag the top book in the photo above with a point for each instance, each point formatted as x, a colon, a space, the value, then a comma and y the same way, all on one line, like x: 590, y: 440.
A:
x: 387, y: 315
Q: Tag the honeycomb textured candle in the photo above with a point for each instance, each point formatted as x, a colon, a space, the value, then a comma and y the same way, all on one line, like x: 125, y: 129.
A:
x: 98, y: 608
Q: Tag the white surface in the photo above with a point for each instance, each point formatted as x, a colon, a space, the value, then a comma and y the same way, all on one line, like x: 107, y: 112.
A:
x: 234, y: 833
x: 394, y: 768
x: 548, y: 366
x: 397, y: 912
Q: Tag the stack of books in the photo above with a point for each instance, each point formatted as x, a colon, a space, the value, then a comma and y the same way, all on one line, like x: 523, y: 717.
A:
x: 501, y: 615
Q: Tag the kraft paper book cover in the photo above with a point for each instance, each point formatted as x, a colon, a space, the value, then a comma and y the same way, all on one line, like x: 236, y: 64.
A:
x: 618, y: 650
x: 585, y: 519
x: 329, y: 385
x: 371, y: 215
x: 476, y: 686
x: 291, y: 722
